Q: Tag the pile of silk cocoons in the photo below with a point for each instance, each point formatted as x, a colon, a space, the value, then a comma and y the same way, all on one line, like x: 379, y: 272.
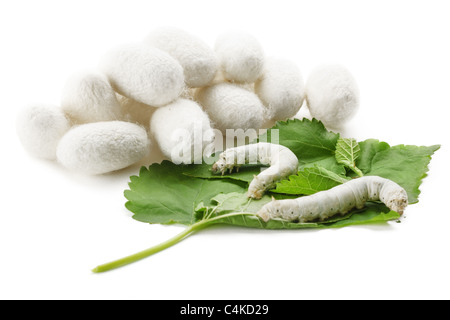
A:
x: 143, y: 93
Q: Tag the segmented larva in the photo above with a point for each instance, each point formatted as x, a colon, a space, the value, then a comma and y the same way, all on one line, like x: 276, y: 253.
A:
x: 340, y: 199
x: 281, y: 160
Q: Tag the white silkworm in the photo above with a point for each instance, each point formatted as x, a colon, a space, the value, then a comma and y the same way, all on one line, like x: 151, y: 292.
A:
x: 198, y: 60
x: 283, y: 163
x: 88, y: 97
x: 143, y: 73
x: 102, y: 147
x: 281, y: 89
x: 340, y: 199
x: 332, y: 95
x: 241, y: 56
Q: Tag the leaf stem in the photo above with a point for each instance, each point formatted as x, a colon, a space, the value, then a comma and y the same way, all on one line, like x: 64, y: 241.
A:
x: 356, y: 170
x: 163, y: 245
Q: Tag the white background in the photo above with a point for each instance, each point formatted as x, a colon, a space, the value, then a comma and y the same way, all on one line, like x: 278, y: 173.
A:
x: 55, y: 226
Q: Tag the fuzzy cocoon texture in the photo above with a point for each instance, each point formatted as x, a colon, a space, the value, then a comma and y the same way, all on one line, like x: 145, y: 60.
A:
x: 144, y: 74
x: 88, y: 97
x: 231, y: 107
x: 198, y: 60
x: 40, y: 128
x: 281, y: 89
x: 102, y: 147
x: 332, y: 95
x: 241, y: 56
x: 182, y: 130
x: 134, y: 111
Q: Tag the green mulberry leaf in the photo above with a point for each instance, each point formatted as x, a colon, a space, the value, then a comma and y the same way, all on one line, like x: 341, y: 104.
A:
x: 347, y: 151
x: 163, y: 194
x: 310, y: 180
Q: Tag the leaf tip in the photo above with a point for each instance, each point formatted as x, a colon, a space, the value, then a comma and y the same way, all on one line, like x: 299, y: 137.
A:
x: 96, y: 270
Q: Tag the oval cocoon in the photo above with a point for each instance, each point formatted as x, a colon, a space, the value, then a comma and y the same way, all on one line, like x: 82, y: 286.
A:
x: 198, y: 60
x: 40, y: 127
x: 134, y: 111
x: 143, y: 73
x: 182, y: 130
x: 231, y: 107
x: 88, y: 97
x: 281, y: 89
x: 241, y: 56
x: 101, y: 147
x: 332, y: 95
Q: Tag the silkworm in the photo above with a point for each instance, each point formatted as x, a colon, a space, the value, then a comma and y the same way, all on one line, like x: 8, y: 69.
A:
x: 143, y: 73
x: 88, y: 97
x: 338, y: 200
x: 241, y: 56
x: 281, y: 89
x: 281, y: 160
x: 102, y: 147
x: 182, y: 130
x: 231, y: 107
x: 332, y: 95
x: 198, y: 60
x: 40, y: 128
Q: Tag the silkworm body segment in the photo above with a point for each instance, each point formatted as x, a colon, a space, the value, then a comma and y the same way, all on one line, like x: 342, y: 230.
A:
x: 282, y: 161
x: 340, y: 199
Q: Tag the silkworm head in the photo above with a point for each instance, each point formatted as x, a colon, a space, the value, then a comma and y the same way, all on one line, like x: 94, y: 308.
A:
x: 217, y: 167
x: 255, y: 193
x: 266, y: 212
x: 398, y: 204
x: 397, y: 200
x: 256, y: 188
x: 271, y: 210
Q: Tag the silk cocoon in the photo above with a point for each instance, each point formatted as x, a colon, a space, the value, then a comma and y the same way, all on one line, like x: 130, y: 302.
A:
x: 102, y: 147
x: 241, y: 56
x: 144, y: 74
x: 198, y: 60
x: 332, y: 95
x: 231, y: 107
x: 88, y: 97
x: 182, y: 130
x: 40, y: 128
x: 281, y: 89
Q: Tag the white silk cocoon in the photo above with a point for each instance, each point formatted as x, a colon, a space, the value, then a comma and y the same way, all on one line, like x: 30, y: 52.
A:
x: 332, y: 95
x: 241, y: 56
x: 88, y: 97
x: 182, y: 130
x: 134, y: 111
x: 40, y: 128
x: 231, y: 107
x: 198, y: 60
x: 144, y: 73
x: 281, y: 89
x: 102, y: 147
